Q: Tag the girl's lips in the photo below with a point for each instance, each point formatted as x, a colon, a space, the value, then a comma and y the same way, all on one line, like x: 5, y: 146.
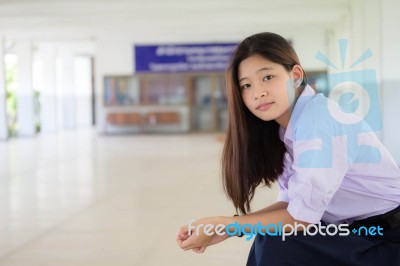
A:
x: 264, y: 106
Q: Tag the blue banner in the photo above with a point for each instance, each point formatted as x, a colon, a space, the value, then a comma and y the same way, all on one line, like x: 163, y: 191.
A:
x: 183, y: 58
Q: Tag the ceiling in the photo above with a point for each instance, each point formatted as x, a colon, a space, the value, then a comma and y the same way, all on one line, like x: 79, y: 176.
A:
x: 173, y: 17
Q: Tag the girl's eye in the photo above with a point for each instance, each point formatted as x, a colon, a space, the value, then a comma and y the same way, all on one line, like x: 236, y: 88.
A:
x: 245, y: 86
x: 269, y: 77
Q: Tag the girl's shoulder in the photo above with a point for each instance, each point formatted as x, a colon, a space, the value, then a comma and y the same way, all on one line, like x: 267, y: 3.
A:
x: 321, y: 115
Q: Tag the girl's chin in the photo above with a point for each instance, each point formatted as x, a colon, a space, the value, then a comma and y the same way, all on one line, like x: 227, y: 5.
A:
x: 266, y: 119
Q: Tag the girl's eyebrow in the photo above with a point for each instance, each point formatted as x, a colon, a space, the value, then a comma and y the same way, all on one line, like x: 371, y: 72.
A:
x: 261, y: 69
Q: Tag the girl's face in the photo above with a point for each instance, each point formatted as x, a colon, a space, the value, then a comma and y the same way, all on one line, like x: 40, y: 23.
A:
x: 267, y: 88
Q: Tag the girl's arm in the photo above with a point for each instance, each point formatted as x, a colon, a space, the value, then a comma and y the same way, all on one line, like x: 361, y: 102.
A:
x: 197, y: 239
x: 270, y: 217
x: 273, y: 207
x: 182, y: 235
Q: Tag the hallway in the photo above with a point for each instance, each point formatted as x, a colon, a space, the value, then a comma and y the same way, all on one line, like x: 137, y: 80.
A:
x: 79, y: 198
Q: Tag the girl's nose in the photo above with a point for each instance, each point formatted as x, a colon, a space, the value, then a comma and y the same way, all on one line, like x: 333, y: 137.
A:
x: 260, y: 95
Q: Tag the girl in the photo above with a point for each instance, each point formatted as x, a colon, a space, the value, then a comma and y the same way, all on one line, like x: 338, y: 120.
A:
x: 330, y: 166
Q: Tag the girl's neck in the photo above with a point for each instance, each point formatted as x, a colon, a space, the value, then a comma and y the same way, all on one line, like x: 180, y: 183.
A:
x: 284, y: 119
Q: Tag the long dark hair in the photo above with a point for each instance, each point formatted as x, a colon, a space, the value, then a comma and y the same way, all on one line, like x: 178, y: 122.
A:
x: 253, y: 152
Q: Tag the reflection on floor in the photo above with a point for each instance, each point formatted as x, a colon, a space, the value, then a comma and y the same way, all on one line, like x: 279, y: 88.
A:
x: 78, y: 198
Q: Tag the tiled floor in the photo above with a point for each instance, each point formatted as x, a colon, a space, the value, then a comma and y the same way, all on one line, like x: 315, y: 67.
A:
x: 78, y: 198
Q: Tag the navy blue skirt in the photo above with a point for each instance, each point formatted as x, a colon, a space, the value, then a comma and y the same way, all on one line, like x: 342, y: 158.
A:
x: 326, y: 250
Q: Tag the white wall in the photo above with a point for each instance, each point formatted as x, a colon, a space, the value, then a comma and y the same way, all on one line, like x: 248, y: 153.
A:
x: 391, y: 76
x: 67, y: 85
x: 113, y: 56
x: 83, y: 87
x: 307, y: 43
x: 3, y: 115
x: 24, y: 93
x: 373, y: 25
x: 48, y: 98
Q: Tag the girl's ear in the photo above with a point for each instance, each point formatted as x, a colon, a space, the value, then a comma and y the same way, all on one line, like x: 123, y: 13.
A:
x: 297, y: 75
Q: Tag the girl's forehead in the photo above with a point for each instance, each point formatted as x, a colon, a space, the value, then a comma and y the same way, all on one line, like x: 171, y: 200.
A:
x: 254, y: 64
x: 257, y: 59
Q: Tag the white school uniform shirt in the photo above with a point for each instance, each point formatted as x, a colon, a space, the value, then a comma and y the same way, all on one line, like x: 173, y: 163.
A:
x: 334, y: 171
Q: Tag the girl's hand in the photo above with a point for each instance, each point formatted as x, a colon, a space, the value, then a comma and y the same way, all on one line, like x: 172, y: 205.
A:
x: 199, y: 242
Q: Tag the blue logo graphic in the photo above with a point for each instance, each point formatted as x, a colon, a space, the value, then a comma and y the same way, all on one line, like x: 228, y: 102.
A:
x: 368, y: 231
x: 351, y: 109
x: 348, y: 103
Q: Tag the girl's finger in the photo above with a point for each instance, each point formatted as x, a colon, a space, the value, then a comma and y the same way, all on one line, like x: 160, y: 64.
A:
x: 183, y: 230
x: 189, y: 243
x: 199, y: 249
x: 181, y: 236
x: 186, y: 246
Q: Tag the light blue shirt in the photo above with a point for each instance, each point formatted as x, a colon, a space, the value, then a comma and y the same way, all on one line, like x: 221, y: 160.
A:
x: 334, y: 171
